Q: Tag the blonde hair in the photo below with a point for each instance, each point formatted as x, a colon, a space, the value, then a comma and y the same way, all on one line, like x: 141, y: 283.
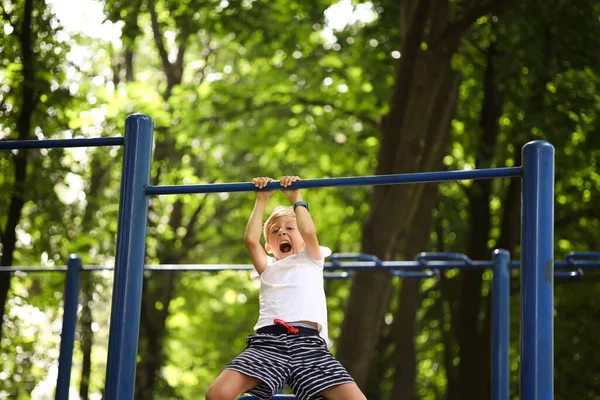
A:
x: 279, y: 211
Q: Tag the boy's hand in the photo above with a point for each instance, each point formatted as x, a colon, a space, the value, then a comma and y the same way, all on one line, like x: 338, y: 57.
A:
x: 292, y: 195
x: 261, y: 182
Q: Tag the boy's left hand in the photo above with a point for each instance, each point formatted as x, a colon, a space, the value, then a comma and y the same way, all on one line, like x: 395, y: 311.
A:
x: 292, y: 195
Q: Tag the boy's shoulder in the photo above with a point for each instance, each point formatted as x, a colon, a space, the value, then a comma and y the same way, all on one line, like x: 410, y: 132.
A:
x: 325, y: 251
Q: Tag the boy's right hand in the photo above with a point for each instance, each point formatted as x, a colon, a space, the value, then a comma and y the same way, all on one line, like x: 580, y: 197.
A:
x: 260, y: 182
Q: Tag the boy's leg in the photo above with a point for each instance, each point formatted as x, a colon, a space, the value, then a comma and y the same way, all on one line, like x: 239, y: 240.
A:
x: 230, y: 384
x: 316, y: 374
x: 345, y: 391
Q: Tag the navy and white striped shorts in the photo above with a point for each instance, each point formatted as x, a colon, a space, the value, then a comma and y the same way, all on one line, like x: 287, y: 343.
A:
x: 301, y: 361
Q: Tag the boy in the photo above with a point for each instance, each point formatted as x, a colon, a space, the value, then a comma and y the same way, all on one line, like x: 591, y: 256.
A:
x: 289, y: 346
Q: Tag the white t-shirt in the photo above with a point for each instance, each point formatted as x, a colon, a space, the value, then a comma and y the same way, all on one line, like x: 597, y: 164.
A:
x: 292, y: 289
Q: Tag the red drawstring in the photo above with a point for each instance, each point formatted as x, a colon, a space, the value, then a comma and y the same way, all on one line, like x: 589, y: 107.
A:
x: 291, y: 330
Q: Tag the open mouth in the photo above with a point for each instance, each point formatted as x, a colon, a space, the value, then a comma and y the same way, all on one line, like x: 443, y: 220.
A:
x: 285, y: 247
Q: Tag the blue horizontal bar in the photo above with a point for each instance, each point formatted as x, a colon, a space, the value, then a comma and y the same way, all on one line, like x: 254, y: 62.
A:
x: 426, y: 257
x: 60, y: 143
x: 7, y: 270
x: 338, y: 275
x: 414, y: 274
x: 335, y: 259
x: 582, y: 256
x: 419, y: 177
x: 337, y: 266
x: 569, y: 274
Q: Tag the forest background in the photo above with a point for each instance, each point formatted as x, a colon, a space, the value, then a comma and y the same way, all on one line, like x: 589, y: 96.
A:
x: 316, y: 88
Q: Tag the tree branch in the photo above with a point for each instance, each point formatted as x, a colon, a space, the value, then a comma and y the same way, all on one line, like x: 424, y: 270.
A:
x: 189, y: 228
x: 265, y: 105
x: 350, y: 113
x: 463, y: 186
x: 440, y: 17
x: 202, y: 70
x: 181, y: 53
x: 455, y: 30
x: 192, y: 227
x: 162, y: 51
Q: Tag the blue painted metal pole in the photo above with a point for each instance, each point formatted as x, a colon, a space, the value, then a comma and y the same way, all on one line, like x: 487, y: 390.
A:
x: 67, y: 335
x: 537, y: 278
x: 129, y: 261
x: 60, y: 143
x: 500, y: 325
x: 419, y: 177
x: 429, y: 262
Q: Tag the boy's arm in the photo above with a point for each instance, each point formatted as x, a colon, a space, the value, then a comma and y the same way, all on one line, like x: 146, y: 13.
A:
x: 254, y: 227
x: 306, y: 226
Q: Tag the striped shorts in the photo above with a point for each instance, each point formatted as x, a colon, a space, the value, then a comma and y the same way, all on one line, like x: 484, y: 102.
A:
x: 301, y: 361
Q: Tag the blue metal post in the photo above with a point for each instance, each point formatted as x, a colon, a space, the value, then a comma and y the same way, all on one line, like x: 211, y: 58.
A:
x: 67, y: 335
x: 537, y: 277
x: 500, y: 325
x: 129, y: 261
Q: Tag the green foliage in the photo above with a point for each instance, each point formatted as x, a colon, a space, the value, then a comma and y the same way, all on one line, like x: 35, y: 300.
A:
x: 549, y: 92
x: 266, y: 90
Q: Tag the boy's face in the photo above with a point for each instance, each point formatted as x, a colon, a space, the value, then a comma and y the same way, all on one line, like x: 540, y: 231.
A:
x: 283, y: 238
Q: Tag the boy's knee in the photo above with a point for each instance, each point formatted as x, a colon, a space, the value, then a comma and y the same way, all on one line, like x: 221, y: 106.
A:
x: 219, y: 392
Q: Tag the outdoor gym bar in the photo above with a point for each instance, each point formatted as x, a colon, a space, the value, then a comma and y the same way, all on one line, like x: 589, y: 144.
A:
x: 429, y: 265
x: 419, y: 177
x: 60, y: 143
x: 537, y: 279
x: 537, y: 220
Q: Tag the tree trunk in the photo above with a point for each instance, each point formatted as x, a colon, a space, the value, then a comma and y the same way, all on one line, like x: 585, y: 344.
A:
x: 381, y: 363
x: 405, y: 318
x: 129, y: 72
x: 382, y: 234
x: 414, y: 137
x: 87, y: 338
x: 447, y: 316
x: 24, y: 124
x: 157, y: 294
x: 402, y: 331
x: 157, y: 290
x: 510, y: 234
x: 474, y: 368
x: 98, y: 180
x: 415, y: 134
x: 160, y: 289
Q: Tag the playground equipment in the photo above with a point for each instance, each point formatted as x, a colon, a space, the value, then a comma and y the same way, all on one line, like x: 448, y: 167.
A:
x: 341, y: 266
x: 537, y: 216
